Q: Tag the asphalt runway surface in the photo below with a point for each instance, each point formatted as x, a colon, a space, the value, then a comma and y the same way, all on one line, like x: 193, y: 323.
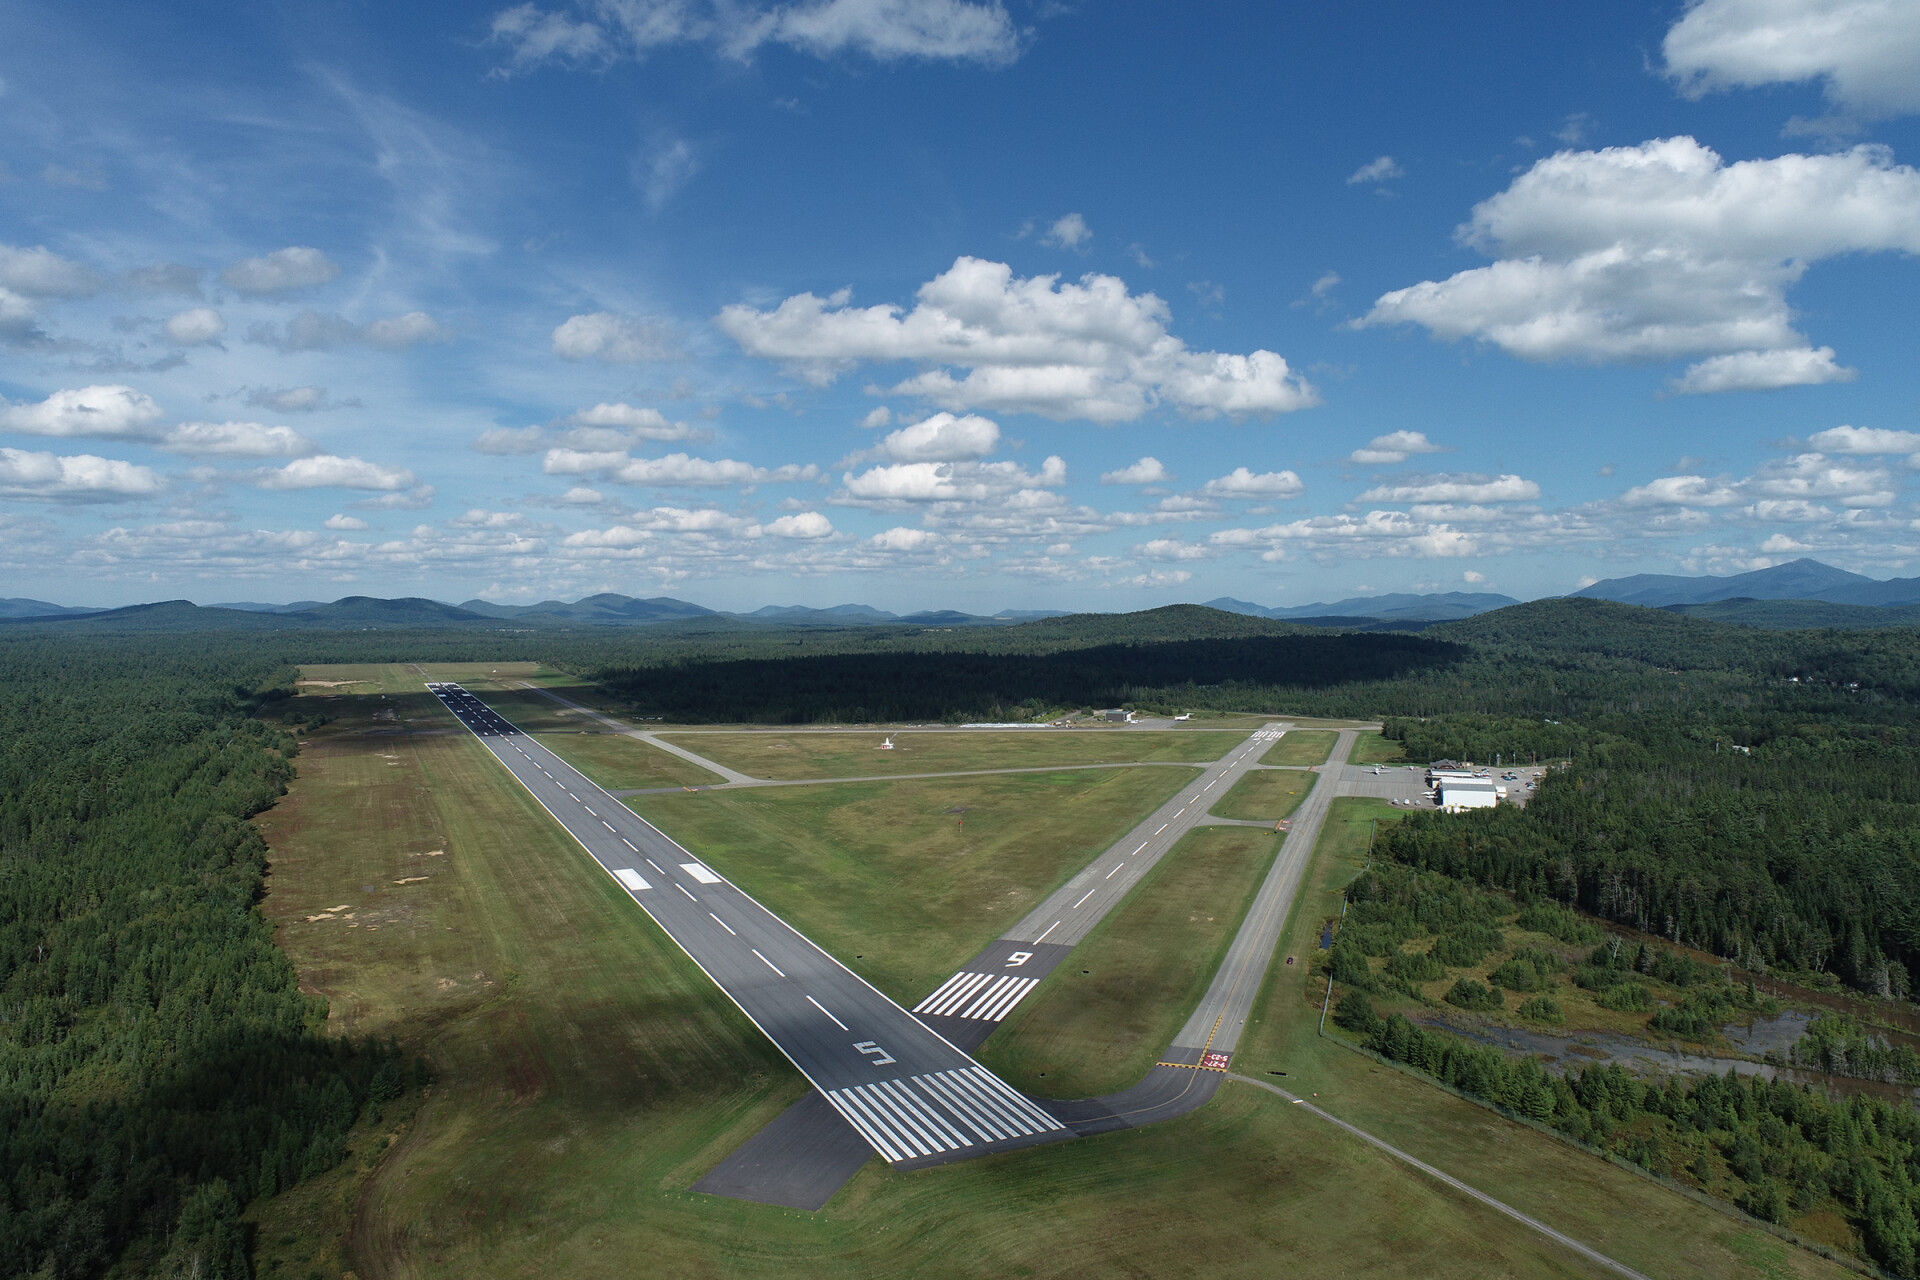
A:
x: 913, y: 1096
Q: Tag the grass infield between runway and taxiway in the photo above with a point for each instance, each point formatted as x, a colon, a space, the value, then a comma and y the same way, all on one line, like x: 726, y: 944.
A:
x: 905, y: 881
x: 1082, y: 1034
x: 776, y: 755
x: 586, y: 1074
x: 1265, y: 795
x: 620, y: 763
x: 1301, y: 747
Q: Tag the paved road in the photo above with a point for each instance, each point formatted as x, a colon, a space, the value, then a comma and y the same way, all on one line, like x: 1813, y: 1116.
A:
x: 1585, y: 1251
x: 911, y: 1094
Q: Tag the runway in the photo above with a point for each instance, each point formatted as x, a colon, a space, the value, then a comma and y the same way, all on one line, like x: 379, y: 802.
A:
x: 912, y: 1095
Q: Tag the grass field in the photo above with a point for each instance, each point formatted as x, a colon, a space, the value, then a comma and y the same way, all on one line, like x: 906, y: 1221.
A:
x: 906, y: 880
x: 599, y: 1075
x: 1265, y: 795
x: 1105, y: 1016
x: 1372, y: 748
x: 618, y: 762
x: 858, y: 755
x: 1646, y: 1226
x: 1301, y: 747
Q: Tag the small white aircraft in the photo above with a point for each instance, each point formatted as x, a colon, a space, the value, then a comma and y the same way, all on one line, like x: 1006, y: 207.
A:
x: 1178, y: 719
x: 887, y: 745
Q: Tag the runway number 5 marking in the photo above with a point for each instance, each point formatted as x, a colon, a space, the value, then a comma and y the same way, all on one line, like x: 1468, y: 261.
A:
x: 880, y: 1056
x: 1018, y: 958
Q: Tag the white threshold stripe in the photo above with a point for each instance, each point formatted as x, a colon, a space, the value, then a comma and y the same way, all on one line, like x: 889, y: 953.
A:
x: 907, y: 1146
x: 988, y: 995
x: 722, y: 923
x: 944, y: 987
x: 763, y: 960
x: 822, y: 1008
x: 860, y: 1124
x: 982, y: 1129
x: 951, y: 995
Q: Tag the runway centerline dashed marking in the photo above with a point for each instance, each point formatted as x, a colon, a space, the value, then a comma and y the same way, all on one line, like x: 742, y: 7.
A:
x: 1116, y: 867
x: 1083, y: 897
x: 763, y: 960
x: 722, y: 923
x: 682, y: 888
x: 1050, y: 929
x: 822, y: 1008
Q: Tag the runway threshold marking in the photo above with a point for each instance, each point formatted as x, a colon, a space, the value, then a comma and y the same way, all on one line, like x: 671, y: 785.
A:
x: 822, y: 1008
x: 986, y: 997
x: 763, y: 960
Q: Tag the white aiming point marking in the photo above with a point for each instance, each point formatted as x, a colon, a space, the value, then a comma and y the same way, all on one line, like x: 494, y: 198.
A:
x: 631, y: 878
x: 699, y: 873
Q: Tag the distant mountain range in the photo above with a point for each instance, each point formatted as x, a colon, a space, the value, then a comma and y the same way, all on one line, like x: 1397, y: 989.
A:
x: 1394, y: 607
x: 1803, y: 593
x: 1795, y: 580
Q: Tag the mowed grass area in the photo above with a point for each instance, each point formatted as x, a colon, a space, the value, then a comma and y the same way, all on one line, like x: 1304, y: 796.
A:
x: 1373, y: 748
x: 1105, y: 1016
x: 782, y: 756
x: 1656, y: 1231
x: 1265, y: 795
x: 1301, y: 747
x: 905, y: 881
x: 618, y: 762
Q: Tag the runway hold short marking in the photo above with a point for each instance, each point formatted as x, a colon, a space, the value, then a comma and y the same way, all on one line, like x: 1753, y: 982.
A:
x: 986, y: 997
x: 699, y: 873
x: 631, y: 878
x: 934, y: 1114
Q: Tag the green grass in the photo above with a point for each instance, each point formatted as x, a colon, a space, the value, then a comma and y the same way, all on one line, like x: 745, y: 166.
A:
x: 1106, y: 1015
x: 1301, y: 746
x: 1265, y: 795
x: 858, y: 754
x: 1646, y: 1226
x: 618, y: 762
x: 1373, y: 748
x: 905, y: 880
x: 580, y: 1095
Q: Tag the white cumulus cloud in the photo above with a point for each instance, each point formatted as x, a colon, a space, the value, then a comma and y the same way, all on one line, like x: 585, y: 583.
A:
x: 236, y: 440
x: 1865, y: 440
x: 951, y: 481
x: 1867, y: 52
x: 1664, y: 250
x: 1146, y: 471
x: 1243, y: 483
x: 1087, y: 350
x: 40, y: 273
x: 1394, y: 447
x: 283, y: 270
x: 614, y: 339
x: 194, y: 328
x: 804, y: 524
x: 78, y: 478
x: 329, y: 471
x: 1381, y: 169
x: 1069, y: 232
x: 85, y: 411
x: 675, y: 470
x: 942, y: 438
x: 1455, y: 488
x: 344, y: 522
x: 1762, y: 371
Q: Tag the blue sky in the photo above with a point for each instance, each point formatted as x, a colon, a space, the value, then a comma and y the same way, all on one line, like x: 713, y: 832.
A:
x: 945, y: 303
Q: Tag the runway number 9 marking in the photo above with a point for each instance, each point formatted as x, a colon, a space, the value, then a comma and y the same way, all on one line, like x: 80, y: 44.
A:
x: 880, y: 1056
x: 1019, y: 958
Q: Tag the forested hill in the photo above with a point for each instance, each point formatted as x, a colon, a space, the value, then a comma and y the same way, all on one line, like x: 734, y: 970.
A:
x: 158, y: 1064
